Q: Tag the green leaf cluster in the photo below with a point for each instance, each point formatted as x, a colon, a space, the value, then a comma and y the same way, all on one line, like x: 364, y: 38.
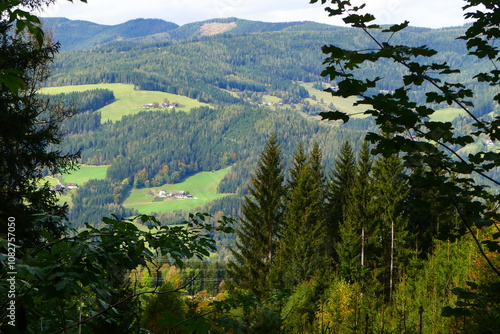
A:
x: 436, y: 149
x: 64, y: 282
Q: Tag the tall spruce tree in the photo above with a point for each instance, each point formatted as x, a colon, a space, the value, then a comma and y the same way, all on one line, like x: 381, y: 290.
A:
x: 298, y: 163
x: 281, y: 267
x: 304, y: 234
x: 390, y: 229
x: 341, y: 180
x: 353, y: 229
x: 258, y: 235
x: 432, y: 214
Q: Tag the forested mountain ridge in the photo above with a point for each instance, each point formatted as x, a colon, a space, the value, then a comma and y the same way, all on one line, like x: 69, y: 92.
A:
x: 80, y: 35
x: 333, y: 234
x: 250, y: 57
x: 255, y: 75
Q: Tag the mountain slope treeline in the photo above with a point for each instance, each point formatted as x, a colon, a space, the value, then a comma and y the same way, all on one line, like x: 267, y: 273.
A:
x: 152, y: 148
x: 360, y: 248
x: 251, y: 57
x: 79, y: 35
x: 233, y: 71
x: 74, y: 35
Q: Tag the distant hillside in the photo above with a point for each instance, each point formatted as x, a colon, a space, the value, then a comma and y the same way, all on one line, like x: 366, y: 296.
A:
x: 81, y: 35
x: 232, y: 60
x: 259, y: 78
x: 240, y: 26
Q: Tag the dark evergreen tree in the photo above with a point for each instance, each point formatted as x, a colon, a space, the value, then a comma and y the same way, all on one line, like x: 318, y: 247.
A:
x: 258, y: 235
x: 281, y: 267
x: 353, y: 229
x: 431, y: 213
x: 29, y: 129
x: 298, y: 163
x: 303, y: 248
x: 390, y: 226
x: 341, y: 180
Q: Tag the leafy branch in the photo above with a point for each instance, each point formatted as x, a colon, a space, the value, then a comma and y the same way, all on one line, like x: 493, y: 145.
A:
x: 404, y: 124
x: 113, y: 306
x: 90, y: 259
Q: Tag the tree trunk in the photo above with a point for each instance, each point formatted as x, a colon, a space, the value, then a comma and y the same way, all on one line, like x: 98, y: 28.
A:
x: 392, y: 261
x: 363, y: 245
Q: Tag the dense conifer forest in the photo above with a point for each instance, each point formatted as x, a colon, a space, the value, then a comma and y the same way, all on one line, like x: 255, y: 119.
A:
x: 232, y: 71
x: 331, y: 223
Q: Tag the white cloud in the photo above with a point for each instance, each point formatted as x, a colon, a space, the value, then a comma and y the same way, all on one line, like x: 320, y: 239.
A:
x: 430, y: 13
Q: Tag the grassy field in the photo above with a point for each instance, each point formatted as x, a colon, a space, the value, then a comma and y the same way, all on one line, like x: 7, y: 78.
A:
x: 446, y: 115
x: 271, y: 99
x: 85, y: 173
x: 203, y: 186
x: 344, y: 105
x: 65, y: 199
x: 80, y: 176
x: 62, y: 198
x: 51, y: 180
x: 128, y: 101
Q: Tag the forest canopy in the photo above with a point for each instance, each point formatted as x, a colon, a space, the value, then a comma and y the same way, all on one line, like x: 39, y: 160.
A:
x: 334, y: 235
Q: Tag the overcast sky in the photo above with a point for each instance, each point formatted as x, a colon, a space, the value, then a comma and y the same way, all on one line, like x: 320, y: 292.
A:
x: 423, y: 13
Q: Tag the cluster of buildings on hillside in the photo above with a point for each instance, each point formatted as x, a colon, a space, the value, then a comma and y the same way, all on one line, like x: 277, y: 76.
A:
x: 488, y: 142
x: 276, y: 104
x: 161, y: 105
x: 60, y: 187
x: 175, y: 194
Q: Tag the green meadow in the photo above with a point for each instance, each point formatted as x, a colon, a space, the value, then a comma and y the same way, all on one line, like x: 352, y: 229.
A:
x: 79, y: 176
x: 85, y: 173
x: 203, y: 186
x: 65, y: 199
x: 446, y: 115
x: 271, y: 99
x: 51, y: 180
x: 346, y: 105
x: 342, y: 104
x: 128, y: 100
x: 62, y: 198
